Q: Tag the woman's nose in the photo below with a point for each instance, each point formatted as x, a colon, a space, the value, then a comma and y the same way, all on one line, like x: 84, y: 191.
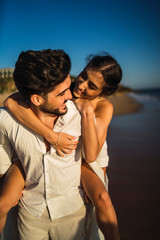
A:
x: 82, y: 85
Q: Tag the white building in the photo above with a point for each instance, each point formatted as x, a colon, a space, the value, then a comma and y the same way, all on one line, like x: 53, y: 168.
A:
x: 6, y: 72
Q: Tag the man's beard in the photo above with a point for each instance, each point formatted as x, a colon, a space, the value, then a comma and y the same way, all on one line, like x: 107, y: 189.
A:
x: 54, y: 112
x: 48, y: 109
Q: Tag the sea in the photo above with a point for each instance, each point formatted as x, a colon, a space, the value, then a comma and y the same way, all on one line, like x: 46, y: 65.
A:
x: 134, y: 169
x: 149, y: 97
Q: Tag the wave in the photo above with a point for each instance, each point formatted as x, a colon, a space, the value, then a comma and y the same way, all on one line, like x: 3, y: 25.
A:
x: 144, y: 96
x: 152, y: 100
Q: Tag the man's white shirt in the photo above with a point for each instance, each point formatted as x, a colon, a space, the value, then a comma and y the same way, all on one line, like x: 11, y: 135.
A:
x: 51, y: 180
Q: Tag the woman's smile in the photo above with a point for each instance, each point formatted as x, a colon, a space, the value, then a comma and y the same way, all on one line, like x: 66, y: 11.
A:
x: 78, y: 91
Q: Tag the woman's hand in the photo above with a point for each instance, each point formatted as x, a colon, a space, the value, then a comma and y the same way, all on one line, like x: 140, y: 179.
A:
x: 83, y: 105
x: 66, y: 143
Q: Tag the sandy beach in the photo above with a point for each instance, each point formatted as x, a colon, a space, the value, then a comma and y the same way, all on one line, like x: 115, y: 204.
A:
x: 134, y: 168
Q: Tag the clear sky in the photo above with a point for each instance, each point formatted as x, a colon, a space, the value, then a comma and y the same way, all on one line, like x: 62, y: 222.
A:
x: 129, y: 30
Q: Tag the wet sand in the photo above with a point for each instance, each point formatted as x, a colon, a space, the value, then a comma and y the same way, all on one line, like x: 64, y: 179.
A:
x: 134, y: 173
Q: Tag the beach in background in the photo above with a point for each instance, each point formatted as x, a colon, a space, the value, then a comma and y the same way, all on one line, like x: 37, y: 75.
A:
x: 134, y: 168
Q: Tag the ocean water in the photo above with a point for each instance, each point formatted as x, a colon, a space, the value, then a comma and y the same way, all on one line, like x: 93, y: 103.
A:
x: 134, y: 169
x: 148, y: 97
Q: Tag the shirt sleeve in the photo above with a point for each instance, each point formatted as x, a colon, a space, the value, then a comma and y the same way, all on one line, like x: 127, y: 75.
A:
x: 7, y: 154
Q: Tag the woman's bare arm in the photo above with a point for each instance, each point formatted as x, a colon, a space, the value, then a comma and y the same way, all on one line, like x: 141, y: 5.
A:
x: 23, y: 113
x: 94, y: 133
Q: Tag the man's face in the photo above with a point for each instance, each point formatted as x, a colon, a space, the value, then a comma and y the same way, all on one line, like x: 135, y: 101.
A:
x: 55, y: 101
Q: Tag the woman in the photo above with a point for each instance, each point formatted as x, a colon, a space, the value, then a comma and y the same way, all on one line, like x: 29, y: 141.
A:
x: 100, y: 78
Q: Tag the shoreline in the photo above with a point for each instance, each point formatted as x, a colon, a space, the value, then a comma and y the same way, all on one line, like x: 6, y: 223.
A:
x: 122, y: 103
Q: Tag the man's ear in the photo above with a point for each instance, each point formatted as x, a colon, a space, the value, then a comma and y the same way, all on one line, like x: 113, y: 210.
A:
x: 37, y: 100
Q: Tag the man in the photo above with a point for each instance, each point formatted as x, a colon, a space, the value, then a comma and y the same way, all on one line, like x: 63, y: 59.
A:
x: 52, y: 203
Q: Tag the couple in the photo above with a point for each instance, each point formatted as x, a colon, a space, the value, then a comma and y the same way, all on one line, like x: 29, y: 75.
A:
x: 46, y: 150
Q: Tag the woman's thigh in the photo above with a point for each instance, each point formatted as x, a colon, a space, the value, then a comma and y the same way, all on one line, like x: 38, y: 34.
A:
x: 13, y: 184
x: 92, y: 184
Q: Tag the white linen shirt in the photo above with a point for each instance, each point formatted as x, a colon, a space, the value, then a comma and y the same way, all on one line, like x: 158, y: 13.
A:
x: 51, y: 180
x: 7, y: 154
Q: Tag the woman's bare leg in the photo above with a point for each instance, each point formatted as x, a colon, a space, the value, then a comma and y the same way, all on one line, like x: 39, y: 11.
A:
x: 105, y: 213
x: 10, y: 190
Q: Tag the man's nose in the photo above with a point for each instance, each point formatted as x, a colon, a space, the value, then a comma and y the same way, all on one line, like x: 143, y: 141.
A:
x: 68, y: 94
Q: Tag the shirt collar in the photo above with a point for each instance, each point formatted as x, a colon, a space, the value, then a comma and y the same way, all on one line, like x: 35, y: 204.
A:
x: 59, y: 124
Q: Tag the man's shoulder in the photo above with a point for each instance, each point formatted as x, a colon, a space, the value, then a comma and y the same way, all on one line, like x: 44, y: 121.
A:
x: 2, y: 109
x: 72, y: 113
x: 72, y: 120
x: 6, y: 119
x: 72, y: 110
x: 3, y: 113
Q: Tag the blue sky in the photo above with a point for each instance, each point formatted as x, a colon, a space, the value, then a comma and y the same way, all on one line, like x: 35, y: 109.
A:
x: 128, y: 30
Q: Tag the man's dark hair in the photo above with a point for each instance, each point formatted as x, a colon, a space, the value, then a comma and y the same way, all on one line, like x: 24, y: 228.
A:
x: 38, y: 72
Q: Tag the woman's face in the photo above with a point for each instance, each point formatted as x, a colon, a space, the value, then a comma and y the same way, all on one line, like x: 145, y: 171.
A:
x: 89, y: 84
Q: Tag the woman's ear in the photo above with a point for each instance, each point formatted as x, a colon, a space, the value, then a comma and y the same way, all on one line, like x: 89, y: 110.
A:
x: 37, y: 100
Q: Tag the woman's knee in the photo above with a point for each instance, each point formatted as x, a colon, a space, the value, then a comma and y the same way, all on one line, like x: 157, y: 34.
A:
x: 103, y: 201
